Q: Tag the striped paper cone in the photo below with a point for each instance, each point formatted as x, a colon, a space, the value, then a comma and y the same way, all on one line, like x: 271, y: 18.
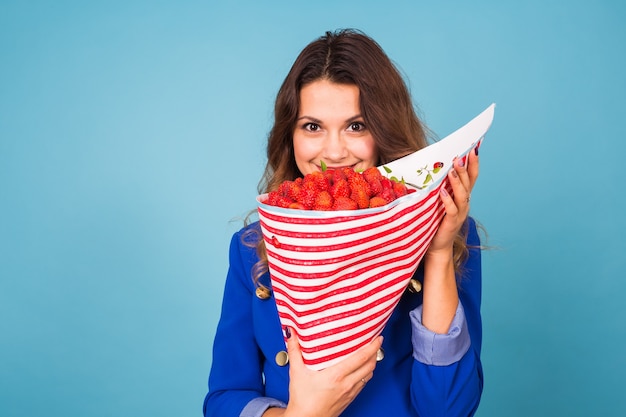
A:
x: 337, y: 275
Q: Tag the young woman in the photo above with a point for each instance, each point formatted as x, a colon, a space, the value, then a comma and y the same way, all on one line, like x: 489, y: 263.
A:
x: 344, y: 103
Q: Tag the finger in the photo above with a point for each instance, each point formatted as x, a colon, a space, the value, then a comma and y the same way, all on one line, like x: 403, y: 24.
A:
x: 448, y: 202
x: 362, y: 361
x: 460, y: 191
x: 361, y: 383
x: 370, y: 350
x: 460, y: 167
x: 473, y: 167
x: 293, y: 349
x: 363, y: 373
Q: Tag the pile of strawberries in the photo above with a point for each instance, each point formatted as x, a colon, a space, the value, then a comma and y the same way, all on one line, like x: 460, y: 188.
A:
x: 338, y: 189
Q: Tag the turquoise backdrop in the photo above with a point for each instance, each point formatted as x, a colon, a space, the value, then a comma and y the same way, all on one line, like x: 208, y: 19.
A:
x: 132, y: 140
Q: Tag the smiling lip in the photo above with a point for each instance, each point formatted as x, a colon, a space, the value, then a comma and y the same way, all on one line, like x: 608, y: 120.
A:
x: 346, y: 166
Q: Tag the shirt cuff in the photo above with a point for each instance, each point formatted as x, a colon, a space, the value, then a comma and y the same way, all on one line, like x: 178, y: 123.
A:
x: 431, y: 348
x: 257, y: 406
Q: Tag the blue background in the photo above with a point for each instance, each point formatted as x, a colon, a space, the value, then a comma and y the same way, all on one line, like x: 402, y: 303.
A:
x: 132, y: 140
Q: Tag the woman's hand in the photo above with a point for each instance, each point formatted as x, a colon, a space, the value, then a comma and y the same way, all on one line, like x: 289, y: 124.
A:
x: 328, y: 392
x: 462, y: 179
x: 440, y: 290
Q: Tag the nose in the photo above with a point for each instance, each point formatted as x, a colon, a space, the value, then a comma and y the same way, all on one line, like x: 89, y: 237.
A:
x: 335, y: 149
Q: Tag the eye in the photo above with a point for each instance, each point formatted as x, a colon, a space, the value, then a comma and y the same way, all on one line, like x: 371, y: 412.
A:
x: 311, y: 127
x: 356, y: 127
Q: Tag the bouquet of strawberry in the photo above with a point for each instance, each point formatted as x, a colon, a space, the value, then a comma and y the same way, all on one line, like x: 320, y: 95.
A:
x: 338, y: 189
x: 342, y: 245
x: 341, y: 248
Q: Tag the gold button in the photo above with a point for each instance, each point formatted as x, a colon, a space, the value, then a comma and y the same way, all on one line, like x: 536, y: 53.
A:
x: 262, y: 292
x: 282, y: 358
x: 380, y: 355
x: 415, y: 285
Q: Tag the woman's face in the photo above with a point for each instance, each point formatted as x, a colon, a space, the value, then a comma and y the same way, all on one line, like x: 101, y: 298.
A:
x: 330, y: 128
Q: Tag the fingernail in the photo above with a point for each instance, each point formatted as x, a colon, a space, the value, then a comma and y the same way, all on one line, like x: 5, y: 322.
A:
x: 444, y: 192
x: 462, y: 162
x: 454, y: 174
x: 476, y: 151
x: 287, y: 332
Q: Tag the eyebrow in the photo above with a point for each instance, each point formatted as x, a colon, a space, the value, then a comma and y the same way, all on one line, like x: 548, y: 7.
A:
x: 315, y: 120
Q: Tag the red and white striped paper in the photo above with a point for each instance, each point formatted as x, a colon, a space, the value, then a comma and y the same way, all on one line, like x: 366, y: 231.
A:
x: 337, y: 277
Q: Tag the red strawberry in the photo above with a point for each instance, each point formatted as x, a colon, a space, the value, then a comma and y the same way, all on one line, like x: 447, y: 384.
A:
x: 373, y: 177
x: 338, y: 174
x: 307, y: 194
x: 289, y: 189
x: 282, y: 188
x: 340, y: 188
x: 348, y: 172
x: 359, y: 190
x: 375, y: 186
x: 323, y: 201
x: 399, y: 189
x: 318, y: 179
x: 357, y: 182
x: 361, y: 197
x: 329, y: 174
x: 272, y: 198
x: 283, y: 201
x: 297, y: 206
x: 388, y: 195
x: 372, y: 173
x: 294, y: 191
x: 386, y: 183
x: 345, y: 203
x: 377, y: 201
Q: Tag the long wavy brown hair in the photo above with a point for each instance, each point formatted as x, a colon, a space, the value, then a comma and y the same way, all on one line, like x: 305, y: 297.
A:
x: 346, y: 57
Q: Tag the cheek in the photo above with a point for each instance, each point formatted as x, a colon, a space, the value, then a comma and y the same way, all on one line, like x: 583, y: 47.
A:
x: 304, y: 151
x: 365, y: 150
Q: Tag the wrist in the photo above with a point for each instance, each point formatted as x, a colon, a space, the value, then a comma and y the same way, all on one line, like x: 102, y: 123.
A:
x: 440, y: 296
x: 274, y: 412
x: 439, y: 257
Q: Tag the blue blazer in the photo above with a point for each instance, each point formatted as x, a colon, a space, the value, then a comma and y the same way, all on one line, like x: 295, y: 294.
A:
x: 413, y: 379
